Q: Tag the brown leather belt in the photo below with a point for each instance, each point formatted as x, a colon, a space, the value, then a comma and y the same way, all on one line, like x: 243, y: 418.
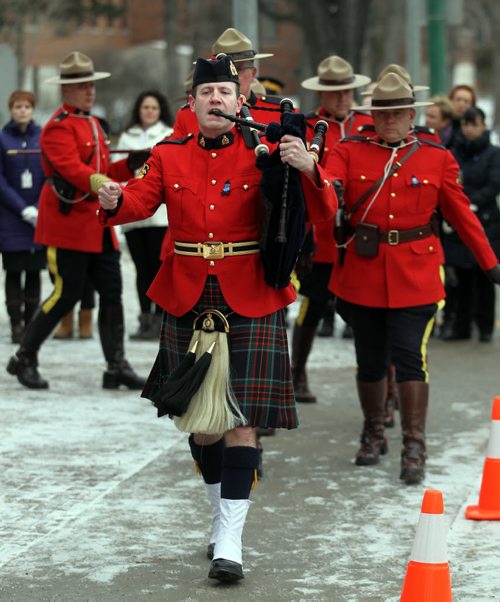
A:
x: 216, y: 249
x: 395, y: 237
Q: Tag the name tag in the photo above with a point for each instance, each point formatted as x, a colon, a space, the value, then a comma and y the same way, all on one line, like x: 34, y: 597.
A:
x: 26, y: 179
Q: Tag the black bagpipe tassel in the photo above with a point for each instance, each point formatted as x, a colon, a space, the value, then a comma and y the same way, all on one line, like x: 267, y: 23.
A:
x: 174, y: 396
x: 198, y: 393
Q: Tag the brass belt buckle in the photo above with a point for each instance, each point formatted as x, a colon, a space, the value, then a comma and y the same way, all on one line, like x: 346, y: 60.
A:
x: 393, y: 237
x: 213, y: 250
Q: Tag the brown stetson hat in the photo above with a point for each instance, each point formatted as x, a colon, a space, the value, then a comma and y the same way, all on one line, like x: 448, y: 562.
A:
x: 403, y: 74
x: 237, y: 45
x: 392, y: 92
x: 76, y: 68
x: 334, y: 73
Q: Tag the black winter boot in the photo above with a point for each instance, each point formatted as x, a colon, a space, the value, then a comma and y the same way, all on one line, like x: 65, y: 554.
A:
x: 119, y: 372
x: 24, y: 366
x: 302, y: 340
x: 143, y: 333
x: 25, y: 363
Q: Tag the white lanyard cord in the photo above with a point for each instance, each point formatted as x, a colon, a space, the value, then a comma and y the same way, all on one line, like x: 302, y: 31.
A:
x: 387, y: 169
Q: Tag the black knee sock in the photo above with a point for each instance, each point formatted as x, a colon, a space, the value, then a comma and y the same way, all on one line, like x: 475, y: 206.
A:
x: 209, y: 459
x: 238, y: 472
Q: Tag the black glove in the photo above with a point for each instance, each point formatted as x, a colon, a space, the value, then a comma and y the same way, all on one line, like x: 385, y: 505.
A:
x: 137, y: 159
x: 494, y: 274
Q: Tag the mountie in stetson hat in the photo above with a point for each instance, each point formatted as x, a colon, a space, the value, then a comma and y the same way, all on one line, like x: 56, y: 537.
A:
x: 335, y: 74
x: 218, y: 69
x: 392, y: 92
x: 236, y: 44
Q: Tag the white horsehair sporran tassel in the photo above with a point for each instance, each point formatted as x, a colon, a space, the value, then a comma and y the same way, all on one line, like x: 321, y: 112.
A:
x: 213, y: 408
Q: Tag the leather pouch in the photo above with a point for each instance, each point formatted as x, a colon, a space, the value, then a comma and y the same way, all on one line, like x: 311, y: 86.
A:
x: 367, y: 240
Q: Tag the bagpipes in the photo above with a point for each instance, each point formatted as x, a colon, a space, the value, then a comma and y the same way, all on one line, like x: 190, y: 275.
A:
x: 284, y: 226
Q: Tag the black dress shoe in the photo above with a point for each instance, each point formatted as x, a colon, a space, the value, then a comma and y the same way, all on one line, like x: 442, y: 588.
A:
x: 226, y: 571
x: 210, y: 551
x: 26, y: 371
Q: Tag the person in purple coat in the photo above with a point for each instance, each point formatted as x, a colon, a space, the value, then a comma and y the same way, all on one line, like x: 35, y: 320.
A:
x: 21, y: 179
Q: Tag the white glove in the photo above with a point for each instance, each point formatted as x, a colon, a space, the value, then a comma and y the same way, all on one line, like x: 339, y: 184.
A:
x: 30, y: 214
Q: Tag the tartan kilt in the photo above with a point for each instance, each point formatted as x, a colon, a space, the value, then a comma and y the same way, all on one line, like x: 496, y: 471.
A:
x: 260, y: 363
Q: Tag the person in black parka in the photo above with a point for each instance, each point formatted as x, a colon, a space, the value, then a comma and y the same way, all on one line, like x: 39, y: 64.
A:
x: 479, y: 162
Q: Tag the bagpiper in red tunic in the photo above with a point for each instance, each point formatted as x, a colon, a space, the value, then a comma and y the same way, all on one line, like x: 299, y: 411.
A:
x: 212, y: 195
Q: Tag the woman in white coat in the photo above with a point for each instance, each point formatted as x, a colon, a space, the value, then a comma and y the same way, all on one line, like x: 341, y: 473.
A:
x: 150, y: 122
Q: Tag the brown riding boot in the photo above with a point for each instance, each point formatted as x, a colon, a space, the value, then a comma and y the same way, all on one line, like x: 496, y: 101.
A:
x: 413, y: 401
x: 65, y: 328
x: 391, y: 401
x: 85, y: 323
x: 302, y: 340
x: 372, y: 396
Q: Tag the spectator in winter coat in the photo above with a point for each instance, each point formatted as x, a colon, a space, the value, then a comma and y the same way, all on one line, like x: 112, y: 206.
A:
x: 462, y: 97
x: 21, y: 180
x: 479, y: 162
x: 150, y: 122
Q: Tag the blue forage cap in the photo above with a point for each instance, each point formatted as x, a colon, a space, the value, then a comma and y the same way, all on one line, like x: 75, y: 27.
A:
x: 217, y: 69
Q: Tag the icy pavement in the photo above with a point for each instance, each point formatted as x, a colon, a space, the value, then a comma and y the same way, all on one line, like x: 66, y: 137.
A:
x: 99, y: 500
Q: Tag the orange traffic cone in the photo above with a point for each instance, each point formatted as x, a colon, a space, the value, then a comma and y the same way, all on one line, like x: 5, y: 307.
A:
x: 488, y: 507
x: 428, y: 574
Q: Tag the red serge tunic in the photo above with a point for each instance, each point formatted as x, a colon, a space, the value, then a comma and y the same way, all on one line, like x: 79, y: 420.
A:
x: 326, y: 251
x: 406, y: 274
x: 68, y: 141
x: 211, y: 194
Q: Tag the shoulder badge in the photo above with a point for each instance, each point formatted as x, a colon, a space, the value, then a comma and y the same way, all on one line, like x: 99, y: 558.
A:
x: 272, y: 100
x: 366, y: 127
x: 355, y: 139
x: 175, y: 140
x: 424, y: 130
x: 61, y: 117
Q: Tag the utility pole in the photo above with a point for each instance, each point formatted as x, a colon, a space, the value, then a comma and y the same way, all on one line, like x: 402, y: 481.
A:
x: 246, y: 19
x: 413, y: 44
x: 438, y: 57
